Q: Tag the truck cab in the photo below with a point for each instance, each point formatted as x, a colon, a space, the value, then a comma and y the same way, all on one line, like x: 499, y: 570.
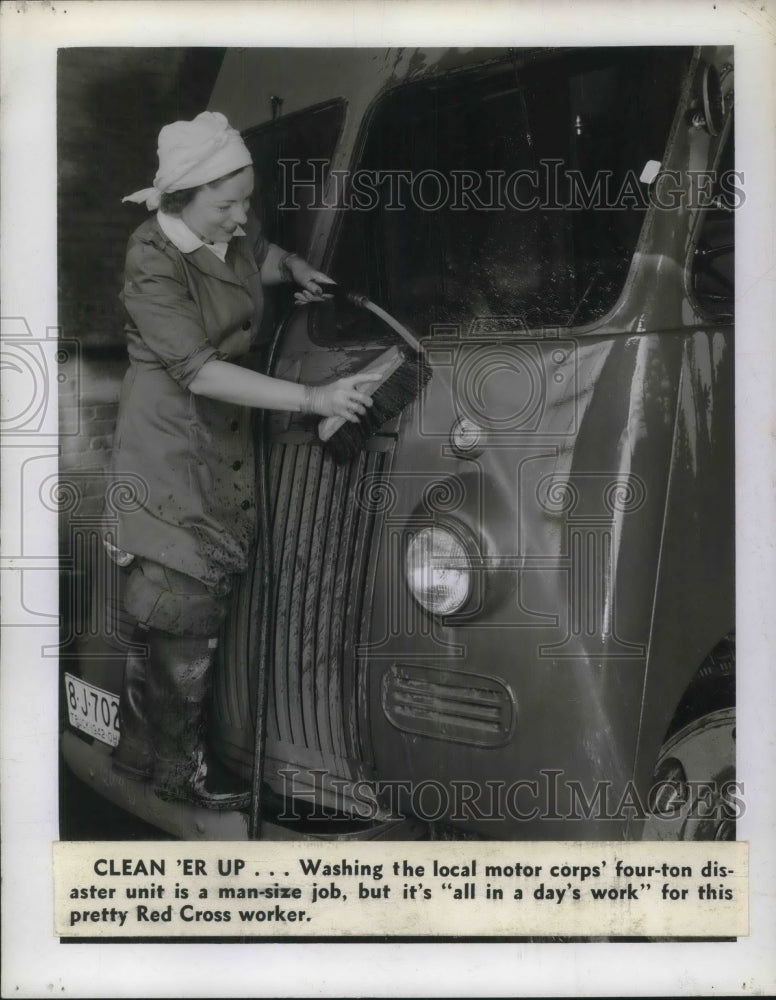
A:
x: 511, y: 615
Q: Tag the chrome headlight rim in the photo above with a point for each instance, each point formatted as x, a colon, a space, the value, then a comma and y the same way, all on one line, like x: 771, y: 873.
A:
x: 465, y: 539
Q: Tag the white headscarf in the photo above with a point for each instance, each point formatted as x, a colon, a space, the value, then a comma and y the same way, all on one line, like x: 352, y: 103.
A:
x: 194, y: 153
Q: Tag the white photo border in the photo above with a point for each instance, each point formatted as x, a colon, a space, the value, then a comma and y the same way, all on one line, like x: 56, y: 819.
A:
x: 35, y: 963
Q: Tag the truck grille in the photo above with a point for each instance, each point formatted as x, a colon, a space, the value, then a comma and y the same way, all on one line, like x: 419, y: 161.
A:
x: 324, y: 542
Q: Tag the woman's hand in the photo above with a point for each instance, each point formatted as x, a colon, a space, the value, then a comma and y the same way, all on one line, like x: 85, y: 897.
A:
x: 311, y: 281
x: 344, y: 397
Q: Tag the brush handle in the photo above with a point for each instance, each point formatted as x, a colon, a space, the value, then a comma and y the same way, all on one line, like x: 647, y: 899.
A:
x: 386, y: 364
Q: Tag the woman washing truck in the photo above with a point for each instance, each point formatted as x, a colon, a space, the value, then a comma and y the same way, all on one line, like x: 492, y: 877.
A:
x: 193, y: 292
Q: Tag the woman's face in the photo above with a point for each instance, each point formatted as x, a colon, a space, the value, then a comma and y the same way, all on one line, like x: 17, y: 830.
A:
x: 216, y: 211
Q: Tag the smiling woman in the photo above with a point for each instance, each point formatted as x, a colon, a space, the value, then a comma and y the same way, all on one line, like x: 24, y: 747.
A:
x: 214, y: 211
x: 193, y: 292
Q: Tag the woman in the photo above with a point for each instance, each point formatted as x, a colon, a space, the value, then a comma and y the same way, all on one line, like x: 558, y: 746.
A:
x: 193, y: 292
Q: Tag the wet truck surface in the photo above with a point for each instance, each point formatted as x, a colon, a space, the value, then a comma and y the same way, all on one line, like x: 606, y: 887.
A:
x: 512, y: 614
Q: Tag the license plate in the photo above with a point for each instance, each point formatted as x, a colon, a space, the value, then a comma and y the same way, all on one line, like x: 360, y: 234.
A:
x: 92, y: 710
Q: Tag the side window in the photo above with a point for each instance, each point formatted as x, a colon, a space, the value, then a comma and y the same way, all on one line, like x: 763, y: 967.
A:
x: 302, y: 137
x: 713, y: 263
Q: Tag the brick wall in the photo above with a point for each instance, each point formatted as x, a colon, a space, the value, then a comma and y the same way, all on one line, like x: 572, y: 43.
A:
x: 111, y: 103
x: 88, y: 403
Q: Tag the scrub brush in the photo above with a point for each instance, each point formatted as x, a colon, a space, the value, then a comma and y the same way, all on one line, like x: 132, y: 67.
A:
x: 404, y: 374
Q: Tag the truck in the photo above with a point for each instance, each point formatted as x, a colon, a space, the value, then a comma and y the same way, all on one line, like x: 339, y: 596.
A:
x: 511, y: 615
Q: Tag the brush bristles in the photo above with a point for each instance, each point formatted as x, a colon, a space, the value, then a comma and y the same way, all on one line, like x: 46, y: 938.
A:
x: 397, y: 392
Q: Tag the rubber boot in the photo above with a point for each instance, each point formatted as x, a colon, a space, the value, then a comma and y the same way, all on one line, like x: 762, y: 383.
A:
x: 178, y: 686
x: 134, y: 755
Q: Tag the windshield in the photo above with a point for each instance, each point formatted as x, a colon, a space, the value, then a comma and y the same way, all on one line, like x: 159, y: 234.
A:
x: 508, y: 192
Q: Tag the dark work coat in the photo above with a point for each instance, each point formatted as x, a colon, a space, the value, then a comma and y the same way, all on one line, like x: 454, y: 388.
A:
x: 190, y: 457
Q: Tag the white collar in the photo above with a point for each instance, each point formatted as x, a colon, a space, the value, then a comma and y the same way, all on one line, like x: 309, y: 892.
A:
x: 179, y: 234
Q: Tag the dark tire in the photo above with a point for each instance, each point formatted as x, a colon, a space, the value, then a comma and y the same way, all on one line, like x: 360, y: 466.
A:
x: 694, y: 795
x: 713, y: 687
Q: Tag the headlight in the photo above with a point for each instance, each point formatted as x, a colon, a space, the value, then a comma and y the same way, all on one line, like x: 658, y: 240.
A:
x: 439, y: 570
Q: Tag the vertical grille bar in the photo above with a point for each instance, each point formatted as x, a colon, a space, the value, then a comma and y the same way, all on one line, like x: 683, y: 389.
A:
x: 306, y: 484
x: 379, y: 465
x: 288, y: 603
x: 327, y: 681
x: 286, y: 507
x: 341, y: 611
x: 361, y: 537
x: 314, y: 601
